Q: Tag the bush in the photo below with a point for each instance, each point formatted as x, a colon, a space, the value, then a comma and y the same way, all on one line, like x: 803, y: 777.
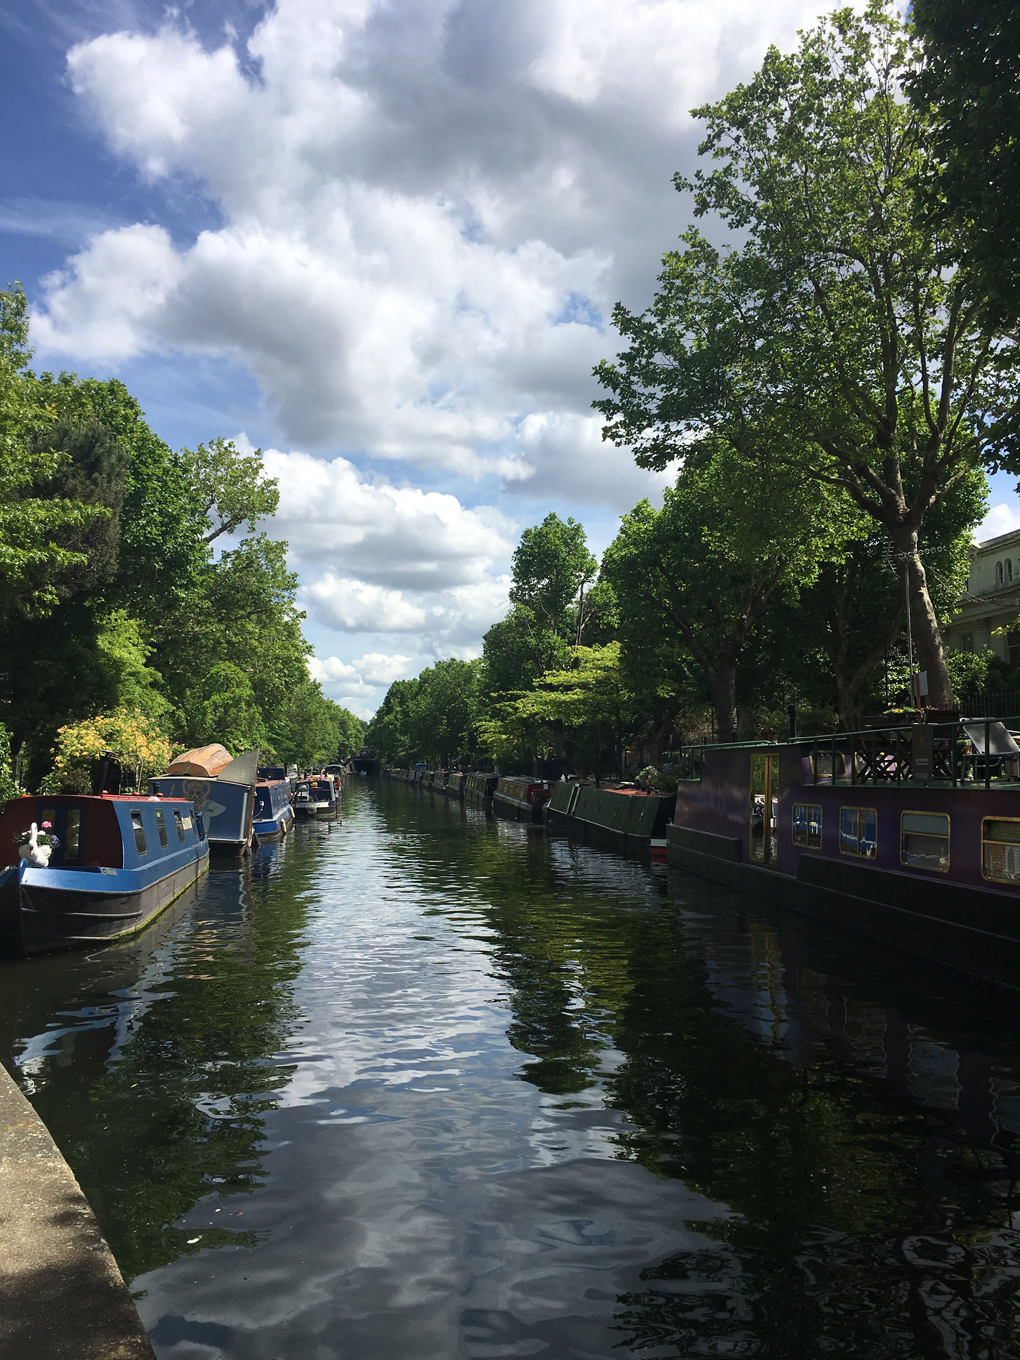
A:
x: 133, y: 738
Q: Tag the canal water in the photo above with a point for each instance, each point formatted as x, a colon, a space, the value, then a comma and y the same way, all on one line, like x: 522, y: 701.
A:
x: 426, y: 1085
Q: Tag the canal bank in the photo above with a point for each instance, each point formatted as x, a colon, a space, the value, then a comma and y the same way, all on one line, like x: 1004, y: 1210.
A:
x: 63, y: 1297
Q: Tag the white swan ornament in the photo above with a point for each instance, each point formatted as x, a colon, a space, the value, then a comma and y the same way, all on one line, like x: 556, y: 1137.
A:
x: 37, y: 855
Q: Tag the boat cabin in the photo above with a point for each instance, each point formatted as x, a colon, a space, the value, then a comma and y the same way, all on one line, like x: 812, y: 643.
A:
x: 113, y: 831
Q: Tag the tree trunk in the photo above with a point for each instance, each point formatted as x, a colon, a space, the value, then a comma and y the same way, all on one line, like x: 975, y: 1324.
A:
x: 722, y: 684
x: 929, y: 655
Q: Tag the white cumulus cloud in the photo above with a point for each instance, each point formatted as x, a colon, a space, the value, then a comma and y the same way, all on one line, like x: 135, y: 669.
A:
x: 427, y: 211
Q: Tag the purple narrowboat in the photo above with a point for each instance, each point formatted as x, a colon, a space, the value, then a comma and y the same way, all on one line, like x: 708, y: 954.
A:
x: 907, y: 834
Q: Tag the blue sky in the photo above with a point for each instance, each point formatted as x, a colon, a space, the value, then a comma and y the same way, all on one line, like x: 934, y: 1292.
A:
x: 381, y: 242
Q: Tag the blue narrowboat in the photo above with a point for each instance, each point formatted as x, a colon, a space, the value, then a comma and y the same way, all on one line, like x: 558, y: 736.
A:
x: 909, y: 834
x: 274, y: 815
x: 226, y: 799
x: 316, y: 796
x: 116, y: 862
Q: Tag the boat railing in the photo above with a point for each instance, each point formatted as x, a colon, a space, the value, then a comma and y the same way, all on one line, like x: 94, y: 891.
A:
x: 960, y: 753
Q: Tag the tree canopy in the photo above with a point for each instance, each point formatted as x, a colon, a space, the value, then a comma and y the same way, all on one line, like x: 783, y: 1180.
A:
x: 967, y: 87
x: 835, y: 333
x: 113, y: 598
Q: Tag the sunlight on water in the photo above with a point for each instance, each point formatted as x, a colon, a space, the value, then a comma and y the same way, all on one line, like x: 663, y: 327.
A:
x: 427, y: 1084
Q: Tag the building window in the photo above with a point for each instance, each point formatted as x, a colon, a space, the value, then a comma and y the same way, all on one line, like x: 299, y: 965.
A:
x: 807, y: 825
x: 965, y: 642
x: 998, y: 573
x: 924, y: 841
x: 1009, y: 569
x: 858, y: 831
x: 1013, y: 646
x: 1000, y: 849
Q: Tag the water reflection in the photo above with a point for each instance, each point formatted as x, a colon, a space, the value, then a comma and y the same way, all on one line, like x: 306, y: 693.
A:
x: 430, y: 1082
x: 153, y: 1061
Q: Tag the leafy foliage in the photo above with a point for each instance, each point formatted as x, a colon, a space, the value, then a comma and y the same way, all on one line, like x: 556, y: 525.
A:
x: 135, y: 739
x: 836, y: 335
x: 968, y: 88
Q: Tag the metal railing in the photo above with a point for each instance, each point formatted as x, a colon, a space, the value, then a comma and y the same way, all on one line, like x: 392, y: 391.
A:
x: 968, y: 753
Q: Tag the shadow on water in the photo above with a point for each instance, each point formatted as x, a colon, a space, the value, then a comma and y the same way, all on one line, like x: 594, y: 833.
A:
x: 857, y: 1112
x: 152, y: 1062
x: 459, y: 1090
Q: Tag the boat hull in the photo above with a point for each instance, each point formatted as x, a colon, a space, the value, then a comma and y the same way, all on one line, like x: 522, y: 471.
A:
x: 631, y: 823
x: 966, y: 928
x: 274, y: 828
x: 313, y: 810
x: 58, y: 909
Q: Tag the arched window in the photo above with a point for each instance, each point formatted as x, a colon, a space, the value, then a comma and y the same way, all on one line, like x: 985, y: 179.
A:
x: 998, y: 573
x: 1009, y: 569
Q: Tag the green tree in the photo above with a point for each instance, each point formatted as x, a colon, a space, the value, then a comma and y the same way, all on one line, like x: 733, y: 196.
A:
x: 314, y: 730
x: 231, y: 487
x: 390, y: 729
x: 836, y: 334
x: 589, y: 701
x: 968, y: 90
x: 44, y: 527
x: 552, y: 568
x: 696, y: 576
x: 241, y: 630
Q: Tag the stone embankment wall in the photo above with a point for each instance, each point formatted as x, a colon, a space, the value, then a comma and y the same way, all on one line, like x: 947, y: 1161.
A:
x: 61, y: 1294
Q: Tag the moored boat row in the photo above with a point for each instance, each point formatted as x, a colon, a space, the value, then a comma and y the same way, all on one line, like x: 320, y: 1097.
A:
x: 81, y: 869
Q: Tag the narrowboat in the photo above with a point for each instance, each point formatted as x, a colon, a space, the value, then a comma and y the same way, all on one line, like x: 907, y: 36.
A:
x: 274, y: 813
x: 438, y: 780
x: 907, y: 834
x: 222, y: 790
x: 455, y: 784
x: 116, y: 861
x: 336, y: 773
x: 479, y: 788
x: 626, y: 819
x: 519, y: 796
x: 315, y: 797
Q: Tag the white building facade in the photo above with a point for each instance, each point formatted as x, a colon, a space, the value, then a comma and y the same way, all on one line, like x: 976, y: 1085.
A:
x: 991, y: 601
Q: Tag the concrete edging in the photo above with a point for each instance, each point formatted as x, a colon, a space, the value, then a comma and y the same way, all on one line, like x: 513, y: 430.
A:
x: 61, y: 1294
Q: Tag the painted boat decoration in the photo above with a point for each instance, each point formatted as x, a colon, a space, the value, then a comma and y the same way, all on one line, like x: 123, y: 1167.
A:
x: 315, y: 797
x: 274, y: 813
x: 222, y: 790
x: 118, y: 861
x: 621, y: 819
x: 520, y: 796
x: 909, y: 835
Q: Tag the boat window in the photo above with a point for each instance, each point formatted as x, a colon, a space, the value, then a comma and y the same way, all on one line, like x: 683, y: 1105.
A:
x: 807, y: 825
x: 179, y: 822
x: 1000, y: 849
x: 72, y: 836
x: 858, y: 832
x: 821, y: 764
x: 164, y: 839
x: 924, y: 841
x: 136, y: 822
